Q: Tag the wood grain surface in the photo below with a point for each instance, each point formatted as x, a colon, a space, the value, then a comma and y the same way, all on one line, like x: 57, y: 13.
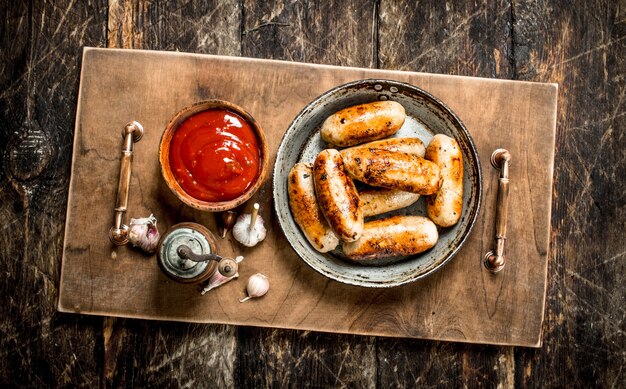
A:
x: 579, y: 45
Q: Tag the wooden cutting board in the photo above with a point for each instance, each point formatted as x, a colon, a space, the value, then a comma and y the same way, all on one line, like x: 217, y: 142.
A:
x: 461, y: 302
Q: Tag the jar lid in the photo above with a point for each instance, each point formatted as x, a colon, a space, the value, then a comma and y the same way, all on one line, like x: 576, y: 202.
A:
x: 196, y: 237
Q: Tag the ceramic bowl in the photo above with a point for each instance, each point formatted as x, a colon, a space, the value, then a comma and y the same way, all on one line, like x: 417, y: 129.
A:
x: 426, y: 116
x: 164, y: 156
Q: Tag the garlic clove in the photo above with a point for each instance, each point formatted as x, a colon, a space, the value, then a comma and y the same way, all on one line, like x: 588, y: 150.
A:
x: 258, y: 285
x: 226, y: 221
x: 250, y: 228
x: 143, y: 233
x: 218, y: 279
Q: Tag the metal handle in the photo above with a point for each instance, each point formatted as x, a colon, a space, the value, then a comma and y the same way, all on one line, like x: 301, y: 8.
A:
x: 226, y: 266
x: 500, y: 159
x: 132, y: 132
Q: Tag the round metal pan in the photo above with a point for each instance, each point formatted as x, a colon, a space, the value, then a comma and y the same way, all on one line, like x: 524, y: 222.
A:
x: 426, y: 116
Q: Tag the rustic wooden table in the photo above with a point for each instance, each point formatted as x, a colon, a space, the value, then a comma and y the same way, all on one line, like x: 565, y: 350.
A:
x: 579, y: 45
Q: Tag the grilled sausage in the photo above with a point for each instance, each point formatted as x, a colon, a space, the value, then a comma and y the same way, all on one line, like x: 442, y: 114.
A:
x: 363, y: 123
x: 392, y: 170
x: 400, y: 145
x: 445, y: 207
x: 337, y: 196
x: 305, y: 210
x: 380, y: 200
x: 392, y: 237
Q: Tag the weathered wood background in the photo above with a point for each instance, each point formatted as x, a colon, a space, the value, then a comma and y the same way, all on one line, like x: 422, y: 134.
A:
x: 577, y: 44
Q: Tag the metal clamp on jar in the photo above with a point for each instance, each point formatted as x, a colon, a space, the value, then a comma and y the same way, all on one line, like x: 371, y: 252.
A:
x: 188, y: 254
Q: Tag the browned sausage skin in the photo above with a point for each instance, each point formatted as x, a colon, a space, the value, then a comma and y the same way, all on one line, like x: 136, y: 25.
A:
x: 363, y: 123
x: 392, y: 237
x: 393, y: 170
x: 337, y: 196
x: 306, y: 212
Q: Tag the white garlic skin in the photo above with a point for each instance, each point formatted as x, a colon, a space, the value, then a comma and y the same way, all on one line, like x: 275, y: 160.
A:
x: 143, y: 233
x: 257, y: 286
x: 242, y: 233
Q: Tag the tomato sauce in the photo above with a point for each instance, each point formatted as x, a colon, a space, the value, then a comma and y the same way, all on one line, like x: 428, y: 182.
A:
x: 215, y: 155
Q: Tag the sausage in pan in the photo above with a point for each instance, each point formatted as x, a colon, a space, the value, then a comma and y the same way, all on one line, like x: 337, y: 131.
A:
x: 363, y: 123
x: 445, y: 207
x: 400, y: 145
x: 392, y: 237
x: 376, y: 201
x: 392, y: 170
x: 305, y: 210
x: 337, y: 196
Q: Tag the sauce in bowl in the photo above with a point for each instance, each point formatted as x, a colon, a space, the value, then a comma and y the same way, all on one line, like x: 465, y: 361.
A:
x: 214, y: 155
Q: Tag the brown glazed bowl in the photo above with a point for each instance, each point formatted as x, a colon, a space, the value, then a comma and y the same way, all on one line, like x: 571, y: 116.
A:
x: 164, y: 156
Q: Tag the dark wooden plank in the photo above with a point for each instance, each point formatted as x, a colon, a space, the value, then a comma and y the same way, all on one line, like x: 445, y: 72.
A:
x: 415, y: 363
x: 280, y: 358
x: 171, y: 354
x: 329, y: 32
x: 460, y: 38
x: 209, y: 27
x: 41, y: 45
x: 336, y: 33
x: 154, y: 354
x: 581, y: 45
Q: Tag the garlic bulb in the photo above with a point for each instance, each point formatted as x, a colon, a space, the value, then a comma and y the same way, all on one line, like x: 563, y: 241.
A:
x: 143, y: 233
x: 258, y: 285
x: 250, y: 229
x: 217, y: 279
